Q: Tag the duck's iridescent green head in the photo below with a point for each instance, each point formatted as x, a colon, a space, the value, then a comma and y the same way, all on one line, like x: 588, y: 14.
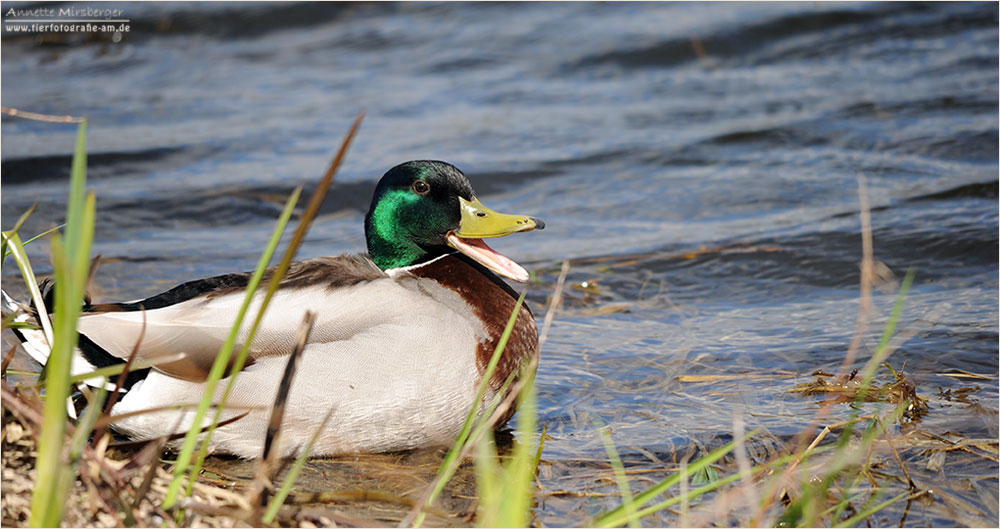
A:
x: 425, y: 209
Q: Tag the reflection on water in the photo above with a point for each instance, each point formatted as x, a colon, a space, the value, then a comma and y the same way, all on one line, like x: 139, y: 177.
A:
x: 697, y: 163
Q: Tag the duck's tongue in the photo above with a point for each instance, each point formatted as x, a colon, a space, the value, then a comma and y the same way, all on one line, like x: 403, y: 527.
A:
x: 488, y: 257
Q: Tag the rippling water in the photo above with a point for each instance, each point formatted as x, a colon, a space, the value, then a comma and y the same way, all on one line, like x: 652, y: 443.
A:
x: 699, y: 162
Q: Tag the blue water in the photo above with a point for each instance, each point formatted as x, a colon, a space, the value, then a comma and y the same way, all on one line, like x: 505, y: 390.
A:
x: 700, y: 162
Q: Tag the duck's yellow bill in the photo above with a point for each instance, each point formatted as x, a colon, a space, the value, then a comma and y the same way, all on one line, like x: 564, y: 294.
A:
x: 480, y: 222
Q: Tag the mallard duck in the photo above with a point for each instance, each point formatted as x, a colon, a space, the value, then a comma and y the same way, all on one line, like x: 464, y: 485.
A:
x: 400, y: 343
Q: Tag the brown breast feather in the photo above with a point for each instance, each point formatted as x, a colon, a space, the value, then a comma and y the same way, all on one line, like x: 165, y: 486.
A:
x: 493, y: 305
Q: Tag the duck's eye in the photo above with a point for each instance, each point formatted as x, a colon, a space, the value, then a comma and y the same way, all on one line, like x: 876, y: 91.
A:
x: 421, y: 187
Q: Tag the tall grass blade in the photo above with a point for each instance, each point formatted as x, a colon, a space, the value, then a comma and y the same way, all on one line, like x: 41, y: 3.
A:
x: 187, y: 450
x: 520, y: 472
x: 315, y: 201
x: 865, y: 513
x: 4, y: 252
x: 222, y: 360
x: 293, y: 473
x: 84, y: 427
x: 541, y: 444
x: 79, y: 232
x: 489, y: 483
x: 71, y: 264
x: 619, y: 471
x: 890, y: 328
x: 44, y: 233
x: 506, y: 490
x: 241, y: 357
x: 86, y: 424
x: 450, y: 463
x: 272, y: 441
x: 21, y: 258
x: 117, y: 369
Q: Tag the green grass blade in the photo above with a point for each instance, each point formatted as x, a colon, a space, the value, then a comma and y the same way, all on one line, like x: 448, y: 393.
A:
x: 489, y: 482
x: 47, y: 499
x: 890, y: 328
x: 21, y: 258
x: 44, y: 233
x: 853, y: 521
x: 222, y: 360
x: 450, y: 462
x: 520, y: 484
x: 9, y: 323
x: 620, y: 518
x: 85, y: 425
x: 71, y: 264
x: 612, y: 517
x: 506, y: 490
x: 21, y: 373
x: 619, y: 470
x: 541, y: 444
x: 481, y: 426
x: 187, y: 451
x: 241, y: 357
x: 112, y: 370
x: 4, y: 252
x: 77, y: 190
x: 293, y: 473
x: 79, y: 440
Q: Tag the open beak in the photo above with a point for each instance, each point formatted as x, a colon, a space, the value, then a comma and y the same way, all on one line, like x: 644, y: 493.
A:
x: 480, y: 222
